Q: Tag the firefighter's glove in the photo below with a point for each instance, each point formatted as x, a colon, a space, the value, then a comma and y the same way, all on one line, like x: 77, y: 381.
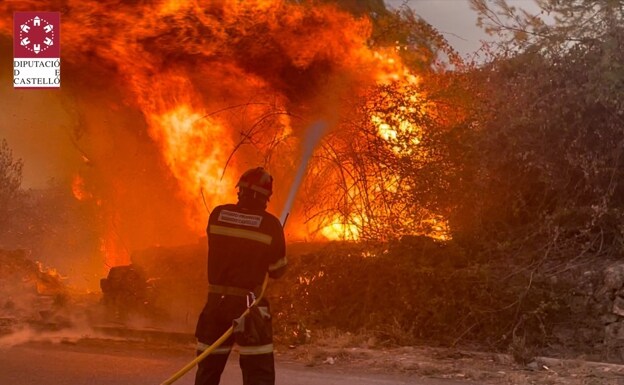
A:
x: 255, y: 328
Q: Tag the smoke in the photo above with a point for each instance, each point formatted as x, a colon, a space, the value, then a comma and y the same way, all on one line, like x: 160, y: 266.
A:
x: 27, y: 334
x: 37, y: 127
x: 35, y: 303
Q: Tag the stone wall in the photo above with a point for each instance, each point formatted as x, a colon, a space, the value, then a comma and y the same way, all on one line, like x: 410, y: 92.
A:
x: 611, y: 297
x: 591, y: 325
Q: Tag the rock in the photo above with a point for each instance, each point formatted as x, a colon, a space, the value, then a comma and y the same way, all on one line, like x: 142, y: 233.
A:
x: 586, y: 284
x: 614, y: 332
x: 608, y: 318
x: 578, y: 304
x: 601, y: 307
x: 614, y: 277
x: 563, y: 335
x: 618, y: 306
x: 587, y: 335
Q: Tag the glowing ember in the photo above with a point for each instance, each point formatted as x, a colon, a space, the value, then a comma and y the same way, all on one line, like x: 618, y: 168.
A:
x: 439, y: 228
x: 78, y: 189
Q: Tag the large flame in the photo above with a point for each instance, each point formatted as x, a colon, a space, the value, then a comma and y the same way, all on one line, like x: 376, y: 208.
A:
x: 220, y: 86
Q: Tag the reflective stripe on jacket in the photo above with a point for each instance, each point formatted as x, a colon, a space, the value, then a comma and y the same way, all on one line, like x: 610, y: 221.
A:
x: 243, y: 246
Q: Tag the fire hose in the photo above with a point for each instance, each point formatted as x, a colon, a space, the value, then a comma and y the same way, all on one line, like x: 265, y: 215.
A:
x: 217, y: 343
x: 315, y: 132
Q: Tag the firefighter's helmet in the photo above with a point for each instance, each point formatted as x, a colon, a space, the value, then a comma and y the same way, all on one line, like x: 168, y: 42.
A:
x: 258, y: 180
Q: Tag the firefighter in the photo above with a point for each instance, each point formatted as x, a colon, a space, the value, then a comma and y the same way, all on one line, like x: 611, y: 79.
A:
x: 244, y: 244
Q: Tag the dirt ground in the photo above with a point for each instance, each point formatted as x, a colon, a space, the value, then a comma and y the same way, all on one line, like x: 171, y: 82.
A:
x: 475, y: 367
x: 337, y: 353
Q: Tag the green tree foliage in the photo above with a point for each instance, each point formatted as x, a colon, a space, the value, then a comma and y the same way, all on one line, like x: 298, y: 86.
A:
x: 10, y: 181
x: 558, y: 25
x: 545, y: 136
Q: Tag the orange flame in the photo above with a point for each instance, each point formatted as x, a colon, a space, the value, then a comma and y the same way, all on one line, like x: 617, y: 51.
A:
x: 339, y: 230
x: 113, y: 251
x: 78, y: 188
x: 181, y: 62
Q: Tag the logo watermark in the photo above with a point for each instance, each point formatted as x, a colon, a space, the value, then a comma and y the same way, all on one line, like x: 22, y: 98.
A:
x: 36, y: 50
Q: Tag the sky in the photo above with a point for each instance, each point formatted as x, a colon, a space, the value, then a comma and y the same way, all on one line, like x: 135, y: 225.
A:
x: 455, y: 20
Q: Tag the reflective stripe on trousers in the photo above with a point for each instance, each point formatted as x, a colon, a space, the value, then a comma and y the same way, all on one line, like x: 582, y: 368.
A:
x: 253, y: 350
x: 219, y: 350
x: 243, y: 350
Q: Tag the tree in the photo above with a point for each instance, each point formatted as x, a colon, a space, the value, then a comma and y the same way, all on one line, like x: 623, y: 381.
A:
x: 10, y: 181
x: 545, y: 136
x: 559, y: 25
x: 422, y: 47
x: 385, y: 168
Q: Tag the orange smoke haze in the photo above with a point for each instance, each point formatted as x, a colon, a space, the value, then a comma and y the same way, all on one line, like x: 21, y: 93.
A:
x: 165, y: 94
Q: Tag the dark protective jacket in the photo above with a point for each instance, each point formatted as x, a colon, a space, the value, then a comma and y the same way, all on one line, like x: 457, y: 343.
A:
x: 243, y: 246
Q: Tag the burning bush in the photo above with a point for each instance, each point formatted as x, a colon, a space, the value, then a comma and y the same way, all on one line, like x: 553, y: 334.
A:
x: 385, y: 170
x: 27, y: 290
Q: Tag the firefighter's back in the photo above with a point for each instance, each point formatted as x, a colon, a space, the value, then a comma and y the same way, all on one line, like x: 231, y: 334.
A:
x: 242, y: 245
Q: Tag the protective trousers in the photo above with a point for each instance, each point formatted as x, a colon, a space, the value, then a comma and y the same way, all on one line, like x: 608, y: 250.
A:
x: 254, y: 338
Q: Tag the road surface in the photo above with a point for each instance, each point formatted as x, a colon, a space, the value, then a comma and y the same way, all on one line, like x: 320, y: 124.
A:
x: 114, y: 362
